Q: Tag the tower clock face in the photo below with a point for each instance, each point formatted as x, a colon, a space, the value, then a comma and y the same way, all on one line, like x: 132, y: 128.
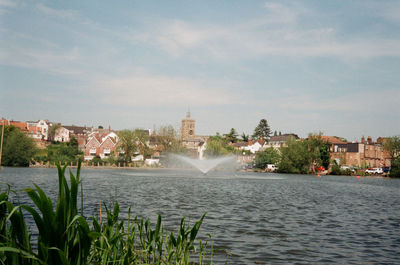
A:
x: 190, y: 132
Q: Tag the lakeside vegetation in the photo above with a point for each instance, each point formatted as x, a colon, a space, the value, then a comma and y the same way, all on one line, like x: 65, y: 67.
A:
x: 65, y: 236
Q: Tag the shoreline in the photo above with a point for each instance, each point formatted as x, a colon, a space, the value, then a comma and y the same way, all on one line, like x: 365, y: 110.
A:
x: 192, y: 169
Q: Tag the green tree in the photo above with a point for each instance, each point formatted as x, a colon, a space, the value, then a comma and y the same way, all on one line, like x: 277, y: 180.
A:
x: 231, y: 137
x: 295, y: 157
x: 18, y: 148
x: 325, y: 156
x: 268, y: 156
x: 215, y: 147
x: 395, y: 169
x: 262, y: 130
x: 167, y: 137
x: 245, y: 137
x: 127, y: 143
x: 392, y: 146
x: 142, y: 139
x: 318, y: 151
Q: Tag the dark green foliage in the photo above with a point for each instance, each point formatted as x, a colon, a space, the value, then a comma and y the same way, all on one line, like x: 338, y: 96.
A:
x: 262, y: 130
x: 395, y: 169
x: 231, y: 137
x: 392, y: 146
x: 245, y: 137
x: 325, y: 156
x: 335, y: 170
x: 304, y: 156
x: 18, y: 148
x: 96, y: 160
x: 295, y: 158
x: 318, y: 151
x: 64, y: 153
x: 268, y: 156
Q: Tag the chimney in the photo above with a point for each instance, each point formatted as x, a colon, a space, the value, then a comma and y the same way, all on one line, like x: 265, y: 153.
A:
x: 363, y: 140
x: 109, y: 128
x: 369, y: 139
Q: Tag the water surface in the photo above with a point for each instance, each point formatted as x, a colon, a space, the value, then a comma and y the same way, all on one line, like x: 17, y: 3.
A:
x: 257, y: 218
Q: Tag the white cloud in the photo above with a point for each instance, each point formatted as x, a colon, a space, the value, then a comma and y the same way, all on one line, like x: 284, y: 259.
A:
x: 278, y: 33
x: 142, y: 89
x: 58, y: 13
x: 63, y: 62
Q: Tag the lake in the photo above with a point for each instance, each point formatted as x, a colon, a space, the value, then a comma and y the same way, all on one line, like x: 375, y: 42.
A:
x: 257, y: 218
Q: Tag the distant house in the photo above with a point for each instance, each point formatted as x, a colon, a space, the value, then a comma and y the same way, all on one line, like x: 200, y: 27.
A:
x: 44, y: 128
x: 61, y: 135
x: 101, y: 144
x: 35, y: 133
x: 81, y: 134
x: 45, y: 125
x: 279, y: 141
x: 254, y: 146
x: 107, y: 147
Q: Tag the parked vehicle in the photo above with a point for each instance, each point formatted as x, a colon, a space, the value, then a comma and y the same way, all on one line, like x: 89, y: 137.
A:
x: 375, y: 170
x: 351, y: 169
x: 271, y: 167
x: 386, y: 169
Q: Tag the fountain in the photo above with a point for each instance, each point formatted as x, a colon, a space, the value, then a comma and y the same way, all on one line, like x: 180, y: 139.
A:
x: 205, y: 165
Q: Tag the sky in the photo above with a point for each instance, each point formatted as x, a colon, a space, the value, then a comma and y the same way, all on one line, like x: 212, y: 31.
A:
x: 304, y: 66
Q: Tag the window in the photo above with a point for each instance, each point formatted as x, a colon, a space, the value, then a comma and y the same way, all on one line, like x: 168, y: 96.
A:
x: 93, y: 151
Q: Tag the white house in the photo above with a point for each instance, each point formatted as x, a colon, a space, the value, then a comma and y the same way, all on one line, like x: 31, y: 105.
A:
x: 253, y: 147
x: 45, y: 128
x: 61, y: 135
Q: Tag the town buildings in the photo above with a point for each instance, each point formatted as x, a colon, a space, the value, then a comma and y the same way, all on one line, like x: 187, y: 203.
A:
x: 103, y: 143
x: 366, y: 153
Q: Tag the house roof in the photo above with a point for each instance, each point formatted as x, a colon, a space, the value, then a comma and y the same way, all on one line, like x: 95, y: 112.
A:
x: 77, y: 129
x: 21, y: 125
x: 332, y: 139
x: 283, y: 137
x: 239, y: 144
x: 34, y: 129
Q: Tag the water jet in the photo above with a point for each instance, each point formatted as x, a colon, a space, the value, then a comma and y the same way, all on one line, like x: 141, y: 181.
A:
x: 205, y: 165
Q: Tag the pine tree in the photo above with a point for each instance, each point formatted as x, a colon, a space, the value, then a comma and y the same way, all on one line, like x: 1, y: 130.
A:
x: 262, y: 130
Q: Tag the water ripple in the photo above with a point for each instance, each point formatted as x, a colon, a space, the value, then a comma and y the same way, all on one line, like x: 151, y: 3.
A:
x: 256, y: 218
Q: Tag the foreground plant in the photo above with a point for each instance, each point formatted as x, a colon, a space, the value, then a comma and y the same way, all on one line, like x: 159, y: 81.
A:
x: 65, y: 237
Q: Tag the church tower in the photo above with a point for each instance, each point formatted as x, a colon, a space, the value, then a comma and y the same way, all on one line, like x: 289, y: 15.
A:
x: 188, y: 127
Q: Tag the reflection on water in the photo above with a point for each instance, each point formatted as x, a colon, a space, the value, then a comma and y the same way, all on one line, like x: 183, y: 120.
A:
x: 257, y: 218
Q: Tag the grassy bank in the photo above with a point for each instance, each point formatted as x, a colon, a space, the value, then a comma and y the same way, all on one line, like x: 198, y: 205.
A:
x: 66, y: 236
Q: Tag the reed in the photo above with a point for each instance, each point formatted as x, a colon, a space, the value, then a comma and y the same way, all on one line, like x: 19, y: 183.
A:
x: 65, y: 236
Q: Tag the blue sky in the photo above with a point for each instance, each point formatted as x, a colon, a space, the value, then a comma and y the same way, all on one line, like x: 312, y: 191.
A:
x: 305, y: 66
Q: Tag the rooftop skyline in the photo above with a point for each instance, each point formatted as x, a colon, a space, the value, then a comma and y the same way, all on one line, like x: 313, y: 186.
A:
x: 305, y: 66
